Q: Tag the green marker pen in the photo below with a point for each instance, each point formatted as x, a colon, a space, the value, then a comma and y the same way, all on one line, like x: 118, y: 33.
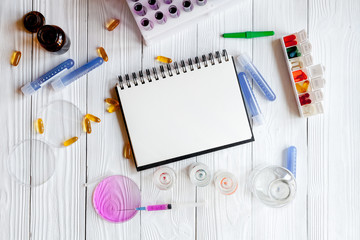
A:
x: 248, y: 34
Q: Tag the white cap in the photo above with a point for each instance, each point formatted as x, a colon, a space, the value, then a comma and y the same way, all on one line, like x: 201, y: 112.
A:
x: 27, y: 89
x: 258, y: 120
x: 57, y: 84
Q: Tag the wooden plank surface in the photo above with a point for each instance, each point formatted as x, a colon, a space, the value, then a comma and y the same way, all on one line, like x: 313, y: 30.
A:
x: 327, y: 202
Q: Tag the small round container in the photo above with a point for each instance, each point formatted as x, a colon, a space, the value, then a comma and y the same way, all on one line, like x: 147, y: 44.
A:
x: 62, y: 121
x: 33, y: 21
x: 226, y: 182
x: 31, y: 163
x: 164, y: 178
x: 274, y: 186
x: 53, y: 39
x: 199, y: 174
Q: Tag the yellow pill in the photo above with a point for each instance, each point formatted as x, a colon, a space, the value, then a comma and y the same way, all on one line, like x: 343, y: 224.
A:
x: 92, y: 118
x: 86, y: 125
x: 15, y: 58
x: 112, y: 24
x: 39, y: 125
x: 111, y: 101
x: 102, y: 53
x: 127, y: 151
x: 113, y: 108
x: 163, y: 59
x: 70, y: 141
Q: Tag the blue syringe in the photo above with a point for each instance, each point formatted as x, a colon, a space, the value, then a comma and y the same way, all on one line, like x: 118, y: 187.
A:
x: 250, y: 99
x: 32, y: 87
x: 77, y: 73
x: 249, y: 68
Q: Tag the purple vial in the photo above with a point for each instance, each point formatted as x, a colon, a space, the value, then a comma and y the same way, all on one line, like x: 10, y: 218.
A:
x: 201, y: 2
x: 174, y: 12
x: 147, y: 24
x: 160, y: 17
x: 140, y: 9
x: 187, y: 5
x: 153, y: 4
x: 167, y: 1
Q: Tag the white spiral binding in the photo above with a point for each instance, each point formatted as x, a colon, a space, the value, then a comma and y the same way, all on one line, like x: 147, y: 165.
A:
x: 167, y: 71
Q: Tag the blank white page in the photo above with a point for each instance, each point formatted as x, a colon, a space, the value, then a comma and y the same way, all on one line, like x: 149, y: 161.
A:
x: 185, y: 114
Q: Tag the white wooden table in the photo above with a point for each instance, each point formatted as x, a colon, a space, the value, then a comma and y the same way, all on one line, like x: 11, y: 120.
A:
x: 327, y: 203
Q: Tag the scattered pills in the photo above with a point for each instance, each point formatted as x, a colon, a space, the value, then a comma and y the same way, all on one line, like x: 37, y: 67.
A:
x: 302, y: 87
x: 299, y: 75
x: 92, y: 118
x: 127, y: 151
x: 163, y: 59
x: 113, y: 108
x: 112, y: 24
x: 39, y: 125
x: 102, y: 53
x: 86, y: 125
x: 70, y: 141
x: 15, y: 58
x: 111, y: 101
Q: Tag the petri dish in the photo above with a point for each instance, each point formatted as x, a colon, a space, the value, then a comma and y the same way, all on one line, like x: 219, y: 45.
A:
x: 31, y: 163
x: 116, y: 198
x: 62, y: 120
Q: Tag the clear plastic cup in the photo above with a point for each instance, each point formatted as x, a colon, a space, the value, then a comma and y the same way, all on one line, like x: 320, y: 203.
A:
x: 199, y: 174
x: 164, y: 178
x: 274, y: 186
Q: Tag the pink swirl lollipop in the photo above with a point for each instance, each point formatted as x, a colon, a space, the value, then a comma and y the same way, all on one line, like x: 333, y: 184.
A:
x: 116, y: 197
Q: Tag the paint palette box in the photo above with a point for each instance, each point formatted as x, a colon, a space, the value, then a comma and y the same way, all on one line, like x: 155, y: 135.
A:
x: 306, y: 79
x: 158, y: 19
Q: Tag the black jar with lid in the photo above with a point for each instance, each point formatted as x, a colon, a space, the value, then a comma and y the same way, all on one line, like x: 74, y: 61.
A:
x: 33, y: 21
x: 53, y: 39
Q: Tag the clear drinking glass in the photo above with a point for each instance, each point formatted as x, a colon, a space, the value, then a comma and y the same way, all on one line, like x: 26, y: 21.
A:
x: 275, y: 186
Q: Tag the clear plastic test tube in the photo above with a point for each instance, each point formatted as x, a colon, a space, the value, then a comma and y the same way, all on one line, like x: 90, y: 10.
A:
x: 253, y: 72
x: 147, y: 24
x: 174, y: 12
x: 201, y: 2
x: 154, y: 5
x: 62, y: 82
x: 250, y: 99
x: 160, y: 17
x: 140, y: 9
x: 187, y: 5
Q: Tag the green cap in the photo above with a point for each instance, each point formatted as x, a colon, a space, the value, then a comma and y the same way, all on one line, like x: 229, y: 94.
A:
x: 248, y: 34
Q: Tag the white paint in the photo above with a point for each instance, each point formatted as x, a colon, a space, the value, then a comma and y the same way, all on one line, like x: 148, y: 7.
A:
x: 327, y: 202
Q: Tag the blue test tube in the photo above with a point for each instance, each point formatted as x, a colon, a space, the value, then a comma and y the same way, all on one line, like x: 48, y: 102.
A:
x: 254, y: 73
x: 291, y: 160
x: 31, y: 87
x: 62, y: 82
x: 250, y: 99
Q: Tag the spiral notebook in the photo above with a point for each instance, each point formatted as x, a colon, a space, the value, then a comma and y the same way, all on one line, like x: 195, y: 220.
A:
x: 183, y: 110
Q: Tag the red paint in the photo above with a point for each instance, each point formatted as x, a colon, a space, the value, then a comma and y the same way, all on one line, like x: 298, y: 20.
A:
x: 299, y: 75
x: 290, y: 44
x: 289, y: 38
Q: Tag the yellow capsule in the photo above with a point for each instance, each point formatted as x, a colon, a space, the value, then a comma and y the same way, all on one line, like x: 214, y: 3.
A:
x: 112, y: 24
x: 102, y: 53
x: 111, y: 101
x: 163, y: 59
x: 113, y: 108
x: 86, y: 125
x: 15, y: 58
x: 93, y: 118
x: 127, y: 151
x: 70, y: 141
x: 39, y: 125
